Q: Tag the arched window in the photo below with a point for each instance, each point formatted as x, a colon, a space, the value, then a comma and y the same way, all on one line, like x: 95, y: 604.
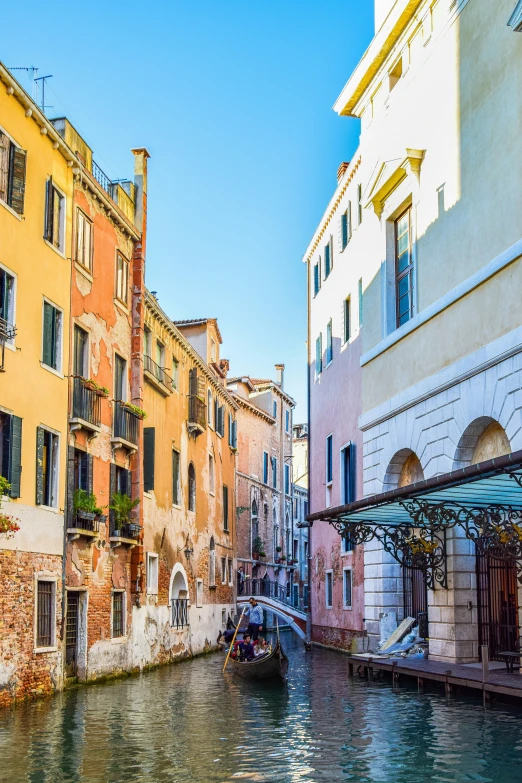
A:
x: 212, y: 563
x: 255, y: 520
x: 191, y: 488
x: 179, y: 597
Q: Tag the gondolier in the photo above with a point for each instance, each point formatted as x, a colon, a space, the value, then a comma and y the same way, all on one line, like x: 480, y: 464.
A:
x: 255, y: 618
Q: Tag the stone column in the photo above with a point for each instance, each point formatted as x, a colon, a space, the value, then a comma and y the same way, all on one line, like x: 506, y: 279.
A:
x: 382, y: 588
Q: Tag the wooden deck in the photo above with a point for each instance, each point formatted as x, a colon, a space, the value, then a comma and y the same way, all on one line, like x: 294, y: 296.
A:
x: 451, y: 675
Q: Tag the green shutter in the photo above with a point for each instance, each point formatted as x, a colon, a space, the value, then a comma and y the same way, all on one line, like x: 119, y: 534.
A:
x: 49, y: 212
x: 175, y: 477
x: 49, y: 334
x: 15, y: 457
x: 40, y: 436
x: 17, y: 165
x: 149, y: 434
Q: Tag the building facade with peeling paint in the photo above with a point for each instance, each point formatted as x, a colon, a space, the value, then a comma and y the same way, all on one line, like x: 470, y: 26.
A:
x: 36, y: 198
x: 189, y: 504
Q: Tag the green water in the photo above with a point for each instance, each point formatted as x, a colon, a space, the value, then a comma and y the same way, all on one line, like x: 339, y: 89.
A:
x: 189, y: 723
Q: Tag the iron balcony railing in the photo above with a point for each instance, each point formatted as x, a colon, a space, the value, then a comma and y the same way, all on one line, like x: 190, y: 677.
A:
x: 179, y: 611
x: 269, y: 589
x: 158, y: 372
x: 131, y: 530
x: 197, y: 411
x: 126, y: 424
x: 7, y: 330
x: 82, y: 520
x: 86, y: 402
x: 101, y: 178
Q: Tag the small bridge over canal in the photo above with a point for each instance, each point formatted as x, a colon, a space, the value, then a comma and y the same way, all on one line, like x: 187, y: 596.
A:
x: 273, y: 597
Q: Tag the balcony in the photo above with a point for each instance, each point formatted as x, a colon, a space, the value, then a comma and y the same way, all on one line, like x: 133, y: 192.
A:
x: 126, y: 428
x: 128, y: 535
x: 197, y: 417
x: 84, y: 524
x: 157, y: 376
x: 179, y: 613
x: 86, y: 406
x: 7, y: 332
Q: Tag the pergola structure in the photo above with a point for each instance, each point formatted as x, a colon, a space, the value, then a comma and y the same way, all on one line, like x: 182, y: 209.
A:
x: 411, y: 522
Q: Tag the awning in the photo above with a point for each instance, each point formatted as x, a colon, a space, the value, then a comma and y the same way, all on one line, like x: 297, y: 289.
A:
x: 485, y: 500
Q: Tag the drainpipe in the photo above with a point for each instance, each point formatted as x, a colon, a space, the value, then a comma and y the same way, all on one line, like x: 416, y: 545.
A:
x: 308, y: 642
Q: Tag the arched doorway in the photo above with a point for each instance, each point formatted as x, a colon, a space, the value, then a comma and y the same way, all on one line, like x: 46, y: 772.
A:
x: 179, y: 597
x: 497, y: 585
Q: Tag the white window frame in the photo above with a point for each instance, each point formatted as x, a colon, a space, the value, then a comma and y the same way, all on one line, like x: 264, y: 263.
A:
x: 224, y: 569
x: 63, y: 222
x: 230, y: 572
x: 152, y: 573
x: 12, y: 305
x: 87, y: 221
x: 55, y: 489
x: 116, y: 639
x: 328, y: 573
x: 126, y: 266
x: 345, y: 605
x: 199, y: 593
x: 43, y: 577
x: 175, y: 373
x: 59, y: 362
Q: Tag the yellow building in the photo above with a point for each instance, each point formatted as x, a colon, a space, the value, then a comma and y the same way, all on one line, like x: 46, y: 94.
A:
x: 36, y: 190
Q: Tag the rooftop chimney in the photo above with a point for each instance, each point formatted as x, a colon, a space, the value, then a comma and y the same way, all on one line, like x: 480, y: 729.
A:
x: 341, y: 170
x: 280, y: 372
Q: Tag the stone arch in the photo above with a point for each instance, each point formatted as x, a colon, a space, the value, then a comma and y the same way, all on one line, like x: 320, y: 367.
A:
x: 485, y: 438
x: 404, y: 468
x: 178, y: 583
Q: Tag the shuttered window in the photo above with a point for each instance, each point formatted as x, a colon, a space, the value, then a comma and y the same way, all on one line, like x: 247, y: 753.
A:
x: 7, y: 299
x: 219, y: 412
x: 329, y: 589
x: 54, y: 231
x: 46, y: 468
x: 225, y: 508
x: 83, y: 245
x: 80, y: 363
x: 52, y: 336
x: 347, y: 588
x: 329, y: 342
x: 191, y: 488
x: 329, y: 459
x: 348, y: 473
x: 319, y: 355
x: 346, y: 226
x: 265, y: 467
x: 274, y: 472
x: 122, y: 278
x: 118, y: 617
x: 287, y: 479
x: 12, y: 173
x: 347, y: 326
x: 175, y: 478
x: 328, y: 259
x: 149, y: 442
x: 11, y: 451
x: 45, y: 614
x: 317, y: 277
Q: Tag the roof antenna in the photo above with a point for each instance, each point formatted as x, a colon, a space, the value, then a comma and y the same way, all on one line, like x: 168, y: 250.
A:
x: 31, y: 71
x: 41, y: 104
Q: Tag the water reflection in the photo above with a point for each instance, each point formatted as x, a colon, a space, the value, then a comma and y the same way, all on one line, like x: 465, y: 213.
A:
x: 189, y: 723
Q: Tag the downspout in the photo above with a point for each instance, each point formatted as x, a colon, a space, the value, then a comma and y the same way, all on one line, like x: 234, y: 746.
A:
x: 308, y: 642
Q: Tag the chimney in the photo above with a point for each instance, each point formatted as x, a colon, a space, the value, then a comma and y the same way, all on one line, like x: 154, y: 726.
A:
x: 342, y: 169
x: 280, y: 372
x: 140, y: 181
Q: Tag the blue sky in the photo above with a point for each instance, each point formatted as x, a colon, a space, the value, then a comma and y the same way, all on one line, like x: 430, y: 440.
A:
x: 233, y: 101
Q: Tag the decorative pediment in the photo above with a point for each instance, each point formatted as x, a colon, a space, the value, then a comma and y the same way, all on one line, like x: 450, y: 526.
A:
x: 516, y: 18
x: 389, y: 175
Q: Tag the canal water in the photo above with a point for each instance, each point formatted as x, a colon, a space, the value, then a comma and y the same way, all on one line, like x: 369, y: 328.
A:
x: 187, y: 722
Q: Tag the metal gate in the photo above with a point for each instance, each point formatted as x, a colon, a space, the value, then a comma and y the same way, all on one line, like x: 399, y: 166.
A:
x: 71, y: 633
x: 415, y: 591
x: 497, y: 596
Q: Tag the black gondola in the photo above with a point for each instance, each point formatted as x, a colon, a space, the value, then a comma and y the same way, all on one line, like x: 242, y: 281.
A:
x: 275, y: 664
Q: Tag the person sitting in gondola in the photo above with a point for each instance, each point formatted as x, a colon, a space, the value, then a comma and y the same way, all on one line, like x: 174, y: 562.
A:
x: 246, y: 649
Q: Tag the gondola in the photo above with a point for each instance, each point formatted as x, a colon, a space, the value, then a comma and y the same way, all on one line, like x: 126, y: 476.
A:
x: 275, y: 664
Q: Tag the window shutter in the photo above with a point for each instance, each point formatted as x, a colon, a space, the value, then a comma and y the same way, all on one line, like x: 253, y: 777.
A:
x: 349, y: 221
x: 343, y: 321
x: 331, y: 243
x: 90, y: 482
x: 70, y: 485
x: 340, y: 234
x: 112, y: 491
x: 127, y: 479
x: 5, y: 146
x: 84, y: 471
x: 48, y: 335
x: 40, y: 435
x: 234, y: 433
x: 216, y: 413
x: 149, y: 434
x: 15, y: 457
x: 351, y: 478
x: 17, y: 179
x: 48, y: 228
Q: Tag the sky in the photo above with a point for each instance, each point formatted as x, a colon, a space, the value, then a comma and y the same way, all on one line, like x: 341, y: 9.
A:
x: 233, y: 100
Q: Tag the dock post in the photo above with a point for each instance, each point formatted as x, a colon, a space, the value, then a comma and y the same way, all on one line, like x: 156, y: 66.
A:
x: 395, y: 675
x: 448, y: 684
x: 350, y: 669
x: 420, y: 683
x: 484, y: 654
x: 370, y: 669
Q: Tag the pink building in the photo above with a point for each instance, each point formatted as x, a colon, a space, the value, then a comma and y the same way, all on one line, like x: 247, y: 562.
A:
x: 335, y: 448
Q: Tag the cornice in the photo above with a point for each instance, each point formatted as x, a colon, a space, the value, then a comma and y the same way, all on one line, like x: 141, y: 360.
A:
x: 253, y: 408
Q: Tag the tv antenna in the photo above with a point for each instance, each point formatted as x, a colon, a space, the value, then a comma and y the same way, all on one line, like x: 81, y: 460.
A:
x: 31, y: 70
x: 41, y: 104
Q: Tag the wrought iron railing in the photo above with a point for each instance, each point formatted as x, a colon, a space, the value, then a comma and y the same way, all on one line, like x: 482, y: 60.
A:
x: 179, y: 613
x: 126, y: 424
x: 131, y: 530
x: 101, y: 178
x: 158, y: 372
x: 86, y: 402
x: 197, y: 411
x: 7, y: 330
x: 266, y: 588
x: 84, y: 521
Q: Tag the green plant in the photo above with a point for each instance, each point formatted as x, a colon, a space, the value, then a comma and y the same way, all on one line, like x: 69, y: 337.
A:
x: 278, y: 549
x: 134, y: 409
x: 283, y: 557
x: 8, y: 524
x: 262, y: 554
x: 122, y: 505
x: 83, y: 501
x: 97, y: 387
x: 257, y: 545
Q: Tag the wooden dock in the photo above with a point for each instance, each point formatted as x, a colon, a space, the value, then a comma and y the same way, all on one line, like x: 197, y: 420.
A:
x: 450, y: 675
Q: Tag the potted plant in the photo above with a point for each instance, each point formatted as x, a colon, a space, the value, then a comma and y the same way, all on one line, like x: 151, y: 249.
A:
x: 8, y: 524
x: 283, y: 558
x: 85, y: 506
x: 101, y: 391
x: 257, y: 548
x: 139, y: 412
x: 122, y: 505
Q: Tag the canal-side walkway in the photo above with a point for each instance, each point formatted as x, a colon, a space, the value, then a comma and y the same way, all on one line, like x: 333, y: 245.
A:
x: 497, y: 680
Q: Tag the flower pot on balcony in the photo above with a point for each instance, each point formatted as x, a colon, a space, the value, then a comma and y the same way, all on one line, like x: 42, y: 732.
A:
x: 255, y: 555
x: 134, y: 528
x: 85, y: 516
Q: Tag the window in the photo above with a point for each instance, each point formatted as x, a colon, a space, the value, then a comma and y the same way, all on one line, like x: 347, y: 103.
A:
x: 209, y: 408
x: 120, y: 377
x: 328, y: 259
x: 305, y: 553
x: 359, y: 205
x: 12, y: 173
x: 213, y: 351
x: 404, y: 268
x: 360, y: 292
x: 199, y: 593
x: 45, y: 613
x: 223, y: 570
x: 319, y: 355
x: 305, y: 596
x: 47, y: 467
x: 175, y: 478
x: 122, y: 278
x: 118, y: 614
x: 329, y: 342
x: 225, y: 508
x: 317, y: 277
x: 265, y: 467
x: 149, y: 450
x: 346, y: 226
x: 7, y: 300
x: 230, y: 572
x: 295, y: 553
x: 52, y: 337
x: 274, y: 472
x: 347, y: 588
x: 348, y: 473
x: 212, y: 563
x: 395, y: 74
x: 329, y: 459
x: 54, y: 216
x: 175, y: 373
x: 191, y: 488
x: 152, y: 573
x: 219, y: 417
x: 147, y: 341
x: 274, y: 408
x: 255, y: 520
x: 287, y: 421
x: 11, y: 451
x: 82, y: 478
x: 232, y: 432
x: 329, y: 589
x: 346, y: 544
x: 80, y: 355
x: 346, y: 320
x: 287, y: 479
x: 160, y: 354
x: 211, y: 480
x: 83, y: 247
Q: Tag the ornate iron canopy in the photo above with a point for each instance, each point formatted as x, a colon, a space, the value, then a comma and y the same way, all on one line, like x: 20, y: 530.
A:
x: 484, y: 500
